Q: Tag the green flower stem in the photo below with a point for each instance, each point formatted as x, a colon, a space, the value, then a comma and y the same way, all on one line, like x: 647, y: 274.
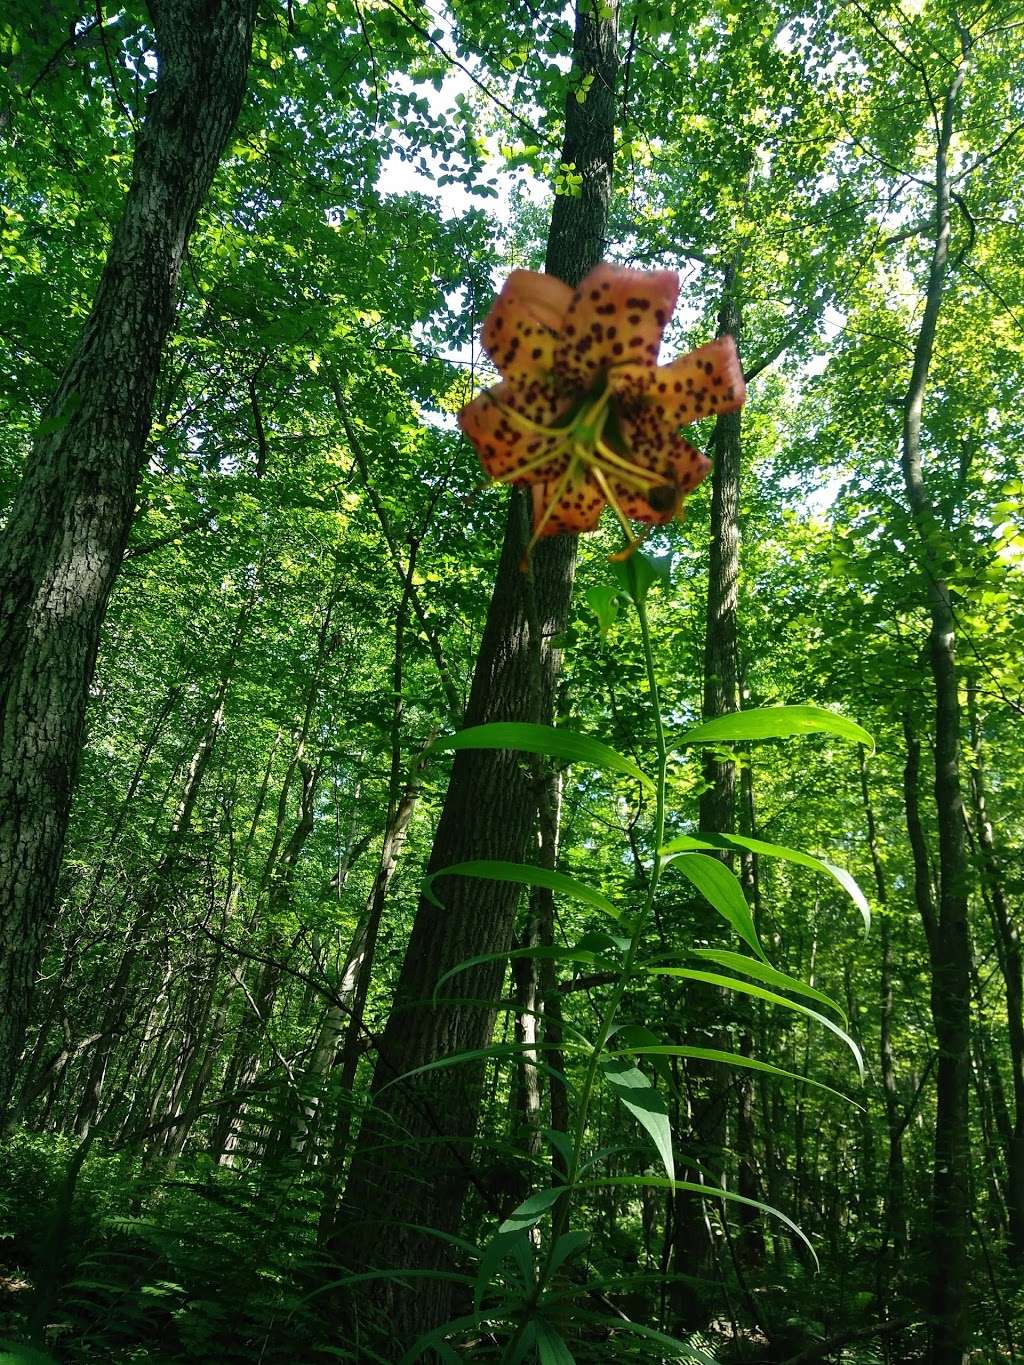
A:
x: 562, y: 1209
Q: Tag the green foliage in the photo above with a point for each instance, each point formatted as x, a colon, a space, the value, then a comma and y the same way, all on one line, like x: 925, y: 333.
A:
x: 190, y: 1016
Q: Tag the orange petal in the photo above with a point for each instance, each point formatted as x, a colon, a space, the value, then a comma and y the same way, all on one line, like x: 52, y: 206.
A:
x: 521, y: 334
x: 700, y: 384
x: 577, y: 509
x: 680, y: 465
x: 503, y: 448
x: 616, y: 318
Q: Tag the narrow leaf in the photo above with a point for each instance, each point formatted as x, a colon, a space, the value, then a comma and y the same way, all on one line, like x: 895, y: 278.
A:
x: 684, y: 842
x: 525, y: 874
x: 637, y: 1036
x: 720, y: 886
x: 582, y: 953
x: 498, y: 1249
x: 706, y: 1192
x: 543, y: 739
x: 562, y: 1144
x: 551, y: 1349
x: 498, y: 1051
x: 567, y: 1245
x: 771, y: 976
x: 732, y: 983
x: 644, y: 1103
x: 603, y: 600
x: 435, y: 1337
x: 777, y: 722
x: 710, y: 1054
x: 532, y: 1209
x: 639, y: 1329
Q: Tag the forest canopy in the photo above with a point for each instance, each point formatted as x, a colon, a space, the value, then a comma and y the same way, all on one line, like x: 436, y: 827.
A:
x: 511, y: 617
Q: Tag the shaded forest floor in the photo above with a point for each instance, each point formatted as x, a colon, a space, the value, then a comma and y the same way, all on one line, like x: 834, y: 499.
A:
x: 189, y: 1261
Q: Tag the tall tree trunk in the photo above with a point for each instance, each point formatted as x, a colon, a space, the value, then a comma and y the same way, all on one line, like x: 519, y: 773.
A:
x: 490, y: 811
x: 246, y: 1058
x: 155, y: 893
x: 950, y: 960
x: 721, y: 693
x: 347, y: 1015
x: 1008, y: 949
x: 68, y: 528
x: 717, y: 811
x: 894, y: 1226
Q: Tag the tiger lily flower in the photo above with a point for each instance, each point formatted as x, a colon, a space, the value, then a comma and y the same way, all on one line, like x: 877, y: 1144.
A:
x: 584, y: 413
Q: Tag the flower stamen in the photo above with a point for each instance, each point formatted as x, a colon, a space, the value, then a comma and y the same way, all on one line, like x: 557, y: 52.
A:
x: 544, y: 458
x: 526, y: 425
x: 613, y: 502
x: 546, y: 515
x: 643, y: 479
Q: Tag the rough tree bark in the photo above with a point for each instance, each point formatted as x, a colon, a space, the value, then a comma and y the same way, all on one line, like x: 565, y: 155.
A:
x: 894, y: 1229
x: 1007, y: 939
x: 490, y: 811
x: 949, y: 944
x: 693, y: 1248
x: 67, y: 531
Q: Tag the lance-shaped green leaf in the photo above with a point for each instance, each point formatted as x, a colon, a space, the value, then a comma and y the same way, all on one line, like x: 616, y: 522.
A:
x: 434, y: 1339
x: 532, y: 1209
x: 643, y: 1102
x: 567, y: 1246
x: 637, y: 1036
x: 710, y: 1054
x: 720, y: 885
x: 495, y: 1051
x: 588, y: 951
x: 740, y: 843
x: 659, y: 1182
x: 776, y: 722
x: 514, y: 1243
x: 551, y: 1348
x: 603, y: 601
x: 763, y: 971
x: 733, y: 983
x: 543, y: 739
x: 525, y: 874
x: 676, y: 1349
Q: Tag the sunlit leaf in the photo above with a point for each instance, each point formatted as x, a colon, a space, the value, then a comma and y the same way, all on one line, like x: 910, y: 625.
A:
x: 771, y: 976
x: 525, y: 874
x: 710, y: 1054
x: 776, y: 722
x: 720, y: 886
x: 733, y: 983
x: 643, y: 1102
x: 741, y: 843
x: 532, y: 1209
x: 543, y: 739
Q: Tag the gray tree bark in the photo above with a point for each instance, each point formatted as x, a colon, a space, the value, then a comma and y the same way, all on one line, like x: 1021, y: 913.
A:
x: 490, y: 811
x: 69, y: 525
x: 949, y: 943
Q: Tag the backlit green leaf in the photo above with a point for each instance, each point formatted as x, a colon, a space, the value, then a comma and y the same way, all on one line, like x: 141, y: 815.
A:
x: 543, y: 739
